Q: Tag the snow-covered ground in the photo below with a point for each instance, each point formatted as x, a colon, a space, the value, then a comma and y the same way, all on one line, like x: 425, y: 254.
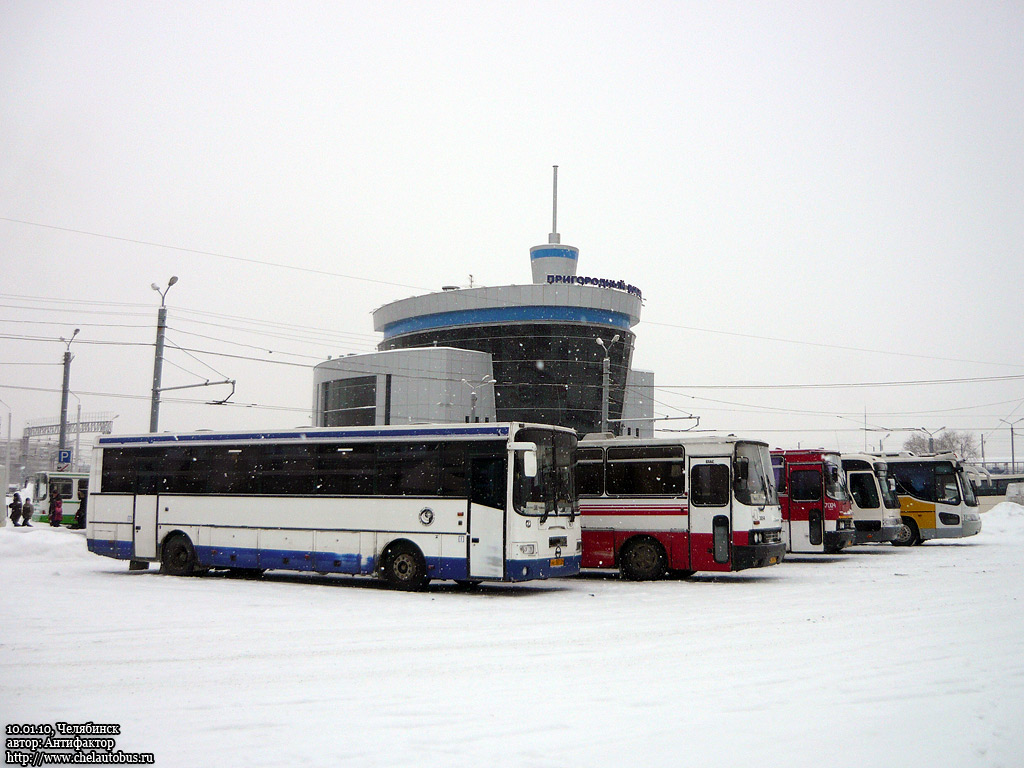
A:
x: 878, y: 657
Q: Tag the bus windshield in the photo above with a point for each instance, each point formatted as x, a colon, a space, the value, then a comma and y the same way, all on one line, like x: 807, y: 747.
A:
x: 835, y: 481
x: 753, y: 485
x: 887, y: 486
x: 969, y: 498
x: 552, y: 490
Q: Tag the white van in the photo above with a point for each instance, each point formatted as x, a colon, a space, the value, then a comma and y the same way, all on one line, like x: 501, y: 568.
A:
x: 1015, y: 493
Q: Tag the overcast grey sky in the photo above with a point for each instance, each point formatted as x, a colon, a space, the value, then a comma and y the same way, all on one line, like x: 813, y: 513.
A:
x: 807, y: 194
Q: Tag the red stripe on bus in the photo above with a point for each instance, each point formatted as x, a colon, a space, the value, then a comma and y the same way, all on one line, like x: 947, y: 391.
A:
x: 642, y: 511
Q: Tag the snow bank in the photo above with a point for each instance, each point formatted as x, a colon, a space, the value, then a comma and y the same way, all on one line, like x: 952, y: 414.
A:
x: 1006, y: 519
x: 41, y: 543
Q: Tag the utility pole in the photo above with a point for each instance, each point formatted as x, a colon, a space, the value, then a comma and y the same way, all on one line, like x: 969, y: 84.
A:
x: 78, y: 437
x: 158, y: 362
x: 7, y: 459
x: 64, y: 390
x: 1013, y: 455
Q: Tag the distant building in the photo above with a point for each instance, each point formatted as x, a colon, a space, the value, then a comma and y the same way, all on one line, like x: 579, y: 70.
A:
x: 403, y: 387
x: 541, y: 341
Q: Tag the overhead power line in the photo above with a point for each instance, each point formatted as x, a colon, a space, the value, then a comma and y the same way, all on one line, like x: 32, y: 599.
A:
x: 186, y: 401
x: 849, y: 385
x: 198, y: 252
x: 828, y: 346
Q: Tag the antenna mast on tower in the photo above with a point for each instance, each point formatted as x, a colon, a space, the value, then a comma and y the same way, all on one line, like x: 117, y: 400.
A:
x: 554, y: 236
x: 553, y: 260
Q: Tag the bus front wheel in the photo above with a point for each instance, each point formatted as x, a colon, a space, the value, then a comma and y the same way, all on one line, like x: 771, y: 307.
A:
x: 907, y: 533
x: 404, y: 567
x: 643, y: 560
x: 179, y: 556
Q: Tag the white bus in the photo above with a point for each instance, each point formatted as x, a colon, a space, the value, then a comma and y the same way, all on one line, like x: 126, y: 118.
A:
x: 651, y: 506
x: 937, y: 500
x: 990, y: 489
x: 876, y: 509
x: 408, y: 504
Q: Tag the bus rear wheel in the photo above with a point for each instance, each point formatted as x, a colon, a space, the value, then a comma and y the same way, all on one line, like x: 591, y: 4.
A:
x: 404, y: 567
x: 643, y: 560
x: 907, y: 534
x: 179, y: 556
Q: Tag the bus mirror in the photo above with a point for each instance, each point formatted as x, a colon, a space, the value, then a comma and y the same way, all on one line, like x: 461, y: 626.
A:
x: 833, y: 473
x: 530, y: 463
x: 529, y: 451
x: 742, y: 469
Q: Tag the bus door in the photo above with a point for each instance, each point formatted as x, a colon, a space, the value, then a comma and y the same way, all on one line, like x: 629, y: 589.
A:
x: 144, y: 527
x: 487, y: 517
x: 806, y: 510
x: 710, y: 513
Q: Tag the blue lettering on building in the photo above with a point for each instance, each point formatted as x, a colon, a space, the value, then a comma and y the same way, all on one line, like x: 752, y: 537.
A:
x: 600, y: 282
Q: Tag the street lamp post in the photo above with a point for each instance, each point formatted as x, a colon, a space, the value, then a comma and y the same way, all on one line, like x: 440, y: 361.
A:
x: 473, y: 396
x: 606, y: 379
x: 64, y: 390
x: 1013, y: 456
x: 931, y: 437
x: 881, y: 442
x: 158, y: 362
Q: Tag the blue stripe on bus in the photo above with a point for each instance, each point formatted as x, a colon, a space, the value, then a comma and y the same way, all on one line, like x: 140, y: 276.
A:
x: 524, y: 570
x: 474, y: 431
x: 348, y: 563
x: 121, y: 550
x: 321, y: 562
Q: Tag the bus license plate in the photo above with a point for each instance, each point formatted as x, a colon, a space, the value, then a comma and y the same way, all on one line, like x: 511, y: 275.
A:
x: 557, y: 562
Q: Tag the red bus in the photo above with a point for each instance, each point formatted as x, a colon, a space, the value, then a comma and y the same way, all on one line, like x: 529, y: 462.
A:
x: 816, y: 510
x: 651, y: 506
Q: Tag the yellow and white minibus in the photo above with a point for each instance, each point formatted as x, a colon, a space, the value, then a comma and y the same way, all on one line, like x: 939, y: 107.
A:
x: 936, y: 497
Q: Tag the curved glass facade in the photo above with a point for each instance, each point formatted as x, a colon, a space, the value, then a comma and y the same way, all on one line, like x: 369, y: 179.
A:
x: 549, y: 373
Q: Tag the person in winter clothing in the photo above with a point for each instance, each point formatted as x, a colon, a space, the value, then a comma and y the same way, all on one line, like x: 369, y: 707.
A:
x: 26, y: 513
x: 15, y: 507
x: 56, y: 509
x: 80, y: 514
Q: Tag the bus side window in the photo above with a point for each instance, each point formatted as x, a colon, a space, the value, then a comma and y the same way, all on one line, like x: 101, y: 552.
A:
x: 946, y: 490
x: 589, y: 472
x: 645, y: 471
x: 862, y: 486
x: 487, y: 481
x: 709, y: 485
x: 914, y: 480
x: 779, y: 470
x: 805, y: 484
x: 453, y: 470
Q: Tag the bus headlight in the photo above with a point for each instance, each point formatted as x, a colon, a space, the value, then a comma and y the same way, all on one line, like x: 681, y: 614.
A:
x: 528, y: 549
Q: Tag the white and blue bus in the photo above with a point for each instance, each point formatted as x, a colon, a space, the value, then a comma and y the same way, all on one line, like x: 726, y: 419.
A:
x: 471, y: 503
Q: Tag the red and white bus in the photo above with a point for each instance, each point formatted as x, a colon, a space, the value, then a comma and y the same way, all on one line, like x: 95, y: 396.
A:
x: 650, y: 506
x: 816, y: 508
